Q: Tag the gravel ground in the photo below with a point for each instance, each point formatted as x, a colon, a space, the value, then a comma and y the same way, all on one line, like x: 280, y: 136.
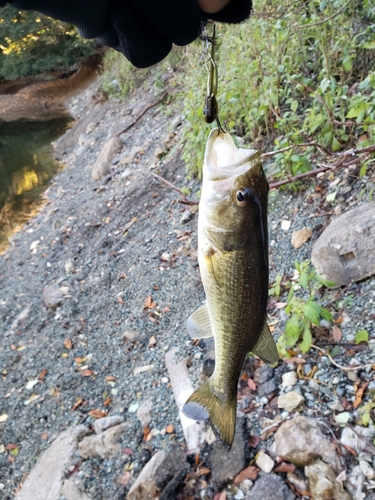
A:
x: 122, y: 254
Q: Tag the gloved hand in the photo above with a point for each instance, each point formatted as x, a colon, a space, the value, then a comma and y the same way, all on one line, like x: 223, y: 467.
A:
x: 143, y: 30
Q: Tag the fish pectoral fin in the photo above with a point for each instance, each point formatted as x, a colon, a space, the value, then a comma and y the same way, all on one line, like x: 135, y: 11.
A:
x: 203, y: 404
x: 224, y: 239
x: 265, y: 348
x: 199, y: 324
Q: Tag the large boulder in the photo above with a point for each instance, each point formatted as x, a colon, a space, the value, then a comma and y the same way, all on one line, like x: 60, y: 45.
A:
x: 344, y: 253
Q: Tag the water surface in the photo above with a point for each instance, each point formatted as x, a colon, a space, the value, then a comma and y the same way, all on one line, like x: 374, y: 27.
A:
x: 26, y: 167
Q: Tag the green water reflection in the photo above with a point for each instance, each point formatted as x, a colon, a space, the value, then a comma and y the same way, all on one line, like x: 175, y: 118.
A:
x: 26, y: 167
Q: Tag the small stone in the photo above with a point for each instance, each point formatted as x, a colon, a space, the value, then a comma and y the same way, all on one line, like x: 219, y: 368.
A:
x: 285, y: 225
x: 186, y: 217
x: 353, y: 375
x: 289, y: 379
x: 69, y: 267
x: 323, y: 484
x: 145, y: 484
x: 297, y: 481
x: 264, y: 462
x: 34, y: 246
x: 102, y: 424
x: 102, y: 165
x: 290, y: 401
x: 52, y: 296
x: 129, y: 336
x: 367, y: 470
x: 246, y: 485
x: 300, y: 237
x: 144, y: 412
x: 103, y: 445
x: 142, y: 369
x: 353, y: 440
x: 270, y: 487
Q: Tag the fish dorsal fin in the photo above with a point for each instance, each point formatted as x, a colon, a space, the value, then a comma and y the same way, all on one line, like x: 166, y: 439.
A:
x: 199, y: 325
x: 265, y: 348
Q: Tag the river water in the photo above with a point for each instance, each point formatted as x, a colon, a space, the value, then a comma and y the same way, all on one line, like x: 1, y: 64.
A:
x: 26, y: 168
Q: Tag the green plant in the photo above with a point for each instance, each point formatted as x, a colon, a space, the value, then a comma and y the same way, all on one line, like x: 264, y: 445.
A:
x: 304, y: 309
x: 276, y: 287
x: 31, y: 44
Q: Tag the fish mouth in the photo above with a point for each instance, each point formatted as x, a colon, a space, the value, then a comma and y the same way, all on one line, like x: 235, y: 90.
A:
x: 223, y: 159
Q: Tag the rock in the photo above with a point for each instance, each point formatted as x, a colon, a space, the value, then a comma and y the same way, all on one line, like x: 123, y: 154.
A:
x: 264, y: 462
x: 367, y: 470
x: 270, y: 487
x: 129, y: 156
x: 171, y: 473
x: 24, y: 314
x: 144, y: 412
x: 290, y: 401
x: 103, y: 445
x: 297, y: 481
x: 186, y: 217
x: 354, y: 483
x: 144, y: 487
x: 323, y: 484
x: 52, y: 296
x: 300, y: 237
x: 289, y: 379
x: 349, y: 437
x: 70, y: 491
x: 102, y: 165
x: 344, y: 252
x: 266, y: 388
x: 182, y: 390
x: 46, y: 479
x: 225, y: 465
x: 102, y: 424
x: 301, y: 442
x: 69, y: 267
x: 127, y: 336
x: 34, y: 246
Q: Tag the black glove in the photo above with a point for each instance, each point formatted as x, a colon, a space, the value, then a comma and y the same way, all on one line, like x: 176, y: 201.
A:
x: 143, y: 30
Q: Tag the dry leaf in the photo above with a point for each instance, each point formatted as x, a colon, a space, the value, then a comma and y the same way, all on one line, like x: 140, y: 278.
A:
x: 42, y: 374
x: 202, y: 471
x: 169, y: 429
x: 359, y: 395
x: 11, y: 447
x: 297, y: 361
x: 149, y: 304
x: 68, y: 343
x: 283, y: 467
x: 120, y: 300
x: 98, y: 413
x: 250, y: 472
x: 336, y: 333
x: 78, y: 403
x: 44, y: 436
x: 87, y: 373
x: 107, y: 401
x: 110, y: 378
x: 79, y: 360
x: 252, y: 385
x: 124, y: 479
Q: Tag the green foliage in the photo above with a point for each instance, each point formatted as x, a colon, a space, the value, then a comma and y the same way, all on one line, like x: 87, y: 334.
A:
x: 291, y: 74
x: 365, y: 413
x: 361, y: 336
x: 276, y: 287
x: 31, y: 44
x: 304, y: 309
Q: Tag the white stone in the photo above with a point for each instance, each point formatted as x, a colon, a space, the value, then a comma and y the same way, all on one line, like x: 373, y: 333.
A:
x: 367, y: 470
x: 289, y: 379
x: 145, y: 484
x: 264, y: 462
x: 290, y: 401
x: 144, y: 412
x: 102, y: 424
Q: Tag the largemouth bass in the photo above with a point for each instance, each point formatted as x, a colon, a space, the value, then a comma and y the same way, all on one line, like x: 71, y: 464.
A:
x: 233, y: 262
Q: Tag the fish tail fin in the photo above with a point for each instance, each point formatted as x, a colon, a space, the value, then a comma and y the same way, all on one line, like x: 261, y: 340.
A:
x: 203, y: 404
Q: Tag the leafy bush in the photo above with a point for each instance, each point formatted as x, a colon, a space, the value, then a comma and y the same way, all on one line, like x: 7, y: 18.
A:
x: 291, y: 74
x: 31, y: 44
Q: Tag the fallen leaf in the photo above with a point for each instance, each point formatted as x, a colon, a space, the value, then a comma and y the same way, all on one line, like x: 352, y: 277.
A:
x: 10, y: 458
x: 336, y: 334
x: 120, y: 300
x: 68, y: 344
x: 79, y: 360
x: 87, y: 373
x: 297, y: 361
x: 11, y: 447
x: 250, y: 472
x: 300, y: 237
x: 149, y: 304
x: 128, y: 451
x: 283, y: 467
x: 98, y: 413
x: 359, y: 395
x: 252, y: 385
x: 42, y: 374
x: 124, y: 479
x: 78, y: 403
x: 110, y: 378
x: 169, y: 429
x: 107, y: 401
x: 203, y: 471
x: 350, y: 450
x: 44, y: 436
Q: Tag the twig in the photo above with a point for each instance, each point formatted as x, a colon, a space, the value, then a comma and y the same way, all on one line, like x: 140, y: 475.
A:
x: 184, y: 200
x: 301, y: 176
x: 144, y: 110
x: 301, y: 26
x: 344, y: 368
x: 304, y: 144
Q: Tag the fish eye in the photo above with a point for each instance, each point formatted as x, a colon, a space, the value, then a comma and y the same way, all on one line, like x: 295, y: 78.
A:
x: 242, y: 196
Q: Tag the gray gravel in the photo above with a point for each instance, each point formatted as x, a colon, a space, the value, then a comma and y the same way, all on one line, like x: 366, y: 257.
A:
x: 111, y: 275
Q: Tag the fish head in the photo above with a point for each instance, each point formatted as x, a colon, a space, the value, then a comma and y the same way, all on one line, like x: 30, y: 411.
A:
x: 234, y: 190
